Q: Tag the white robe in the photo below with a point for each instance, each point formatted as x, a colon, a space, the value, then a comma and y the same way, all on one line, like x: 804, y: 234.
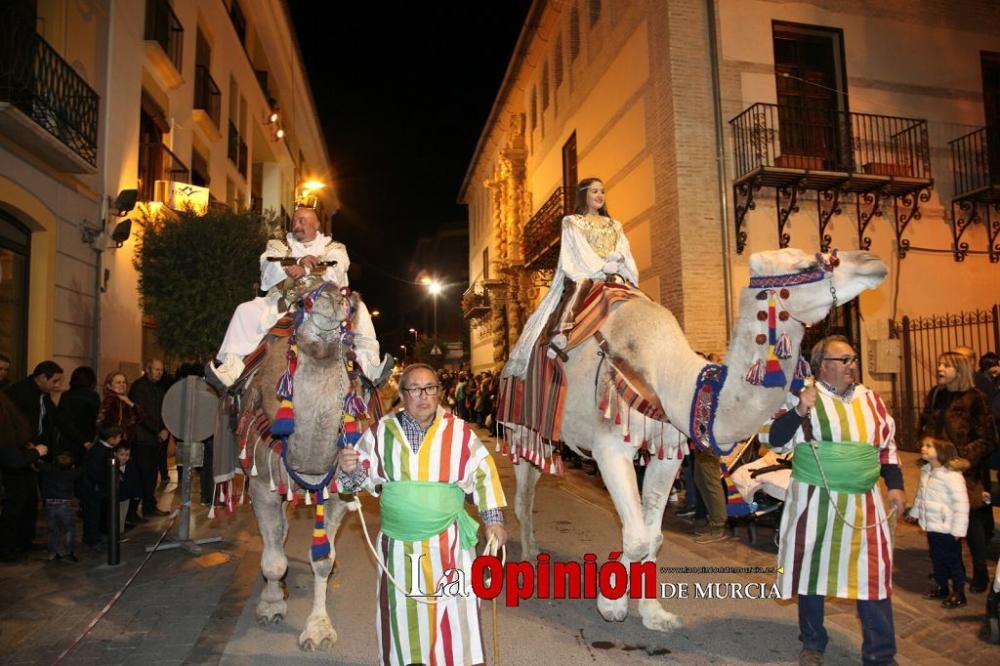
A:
x: 577, y: 261
x: 253, y: 319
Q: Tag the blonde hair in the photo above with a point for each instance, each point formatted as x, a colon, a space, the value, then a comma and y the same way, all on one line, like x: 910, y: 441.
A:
x: 963, y: 368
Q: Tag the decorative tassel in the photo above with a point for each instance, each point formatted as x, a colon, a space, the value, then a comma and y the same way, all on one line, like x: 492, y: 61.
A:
x: 253, y: 469
x: 211, y: 511
x: 289, y: 495
x: 230, y: 499
x: 326, y: 494
x: 273, y: 487
x: 308, y: 498
x: 243, y: 452
x: 774, y: 376
x: 784, y: 347
x: 284, y: 420
x: 320, y: 547
x: 756, y: 372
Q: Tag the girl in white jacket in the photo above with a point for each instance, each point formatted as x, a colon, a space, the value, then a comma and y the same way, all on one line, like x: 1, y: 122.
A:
x: 942, y: 509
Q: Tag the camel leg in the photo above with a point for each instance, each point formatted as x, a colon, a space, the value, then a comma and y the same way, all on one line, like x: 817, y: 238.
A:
x: 527, y: 476
x: 616, y: 468
x: 319, y: 633
x: 660, y: 476
x: 273, y: 525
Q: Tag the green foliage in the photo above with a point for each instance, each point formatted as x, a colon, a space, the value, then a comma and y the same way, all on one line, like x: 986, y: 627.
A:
x: 193, y: 272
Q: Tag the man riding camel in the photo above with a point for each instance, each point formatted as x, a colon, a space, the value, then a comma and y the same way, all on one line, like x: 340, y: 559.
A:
x: 253, y: 319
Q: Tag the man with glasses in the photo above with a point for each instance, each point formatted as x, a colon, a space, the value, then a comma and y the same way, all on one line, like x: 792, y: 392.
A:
x: 836, y: 539
x: 253, y: 319
x: 422, y: 462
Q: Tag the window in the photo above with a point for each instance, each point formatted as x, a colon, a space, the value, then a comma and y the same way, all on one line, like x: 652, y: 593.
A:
x: 545, y: 87
x: 809, y: 77
x: 238, y: 20
x: 574, y: 33
x: 534, y: 108
x: 558, y: 61
x: 199, y: 169
x: 486, y: 263
x: 595, y: 11
x: 15, y: 251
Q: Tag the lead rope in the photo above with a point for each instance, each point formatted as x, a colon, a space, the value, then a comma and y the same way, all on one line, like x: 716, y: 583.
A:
x: 811, y: 440
x: 491, y: 549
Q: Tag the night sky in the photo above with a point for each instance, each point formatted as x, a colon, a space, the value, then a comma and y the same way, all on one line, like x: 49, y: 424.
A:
x: 403, y: 90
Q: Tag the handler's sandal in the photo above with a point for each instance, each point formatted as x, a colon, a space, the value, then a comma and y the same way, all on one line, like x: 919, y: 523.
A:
x: 809, y: 657
x: 936, y: 593
x: 955, y: 601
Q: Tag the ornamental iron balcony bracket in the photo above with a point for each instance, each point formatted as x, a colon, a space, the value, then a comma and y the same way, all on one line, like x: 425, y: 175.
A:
x: 869, y: 206
x: 963, y: 213
x: 786, y: 201
x: 906, y: 208
x: 827, y: 205
x: 743, y: 195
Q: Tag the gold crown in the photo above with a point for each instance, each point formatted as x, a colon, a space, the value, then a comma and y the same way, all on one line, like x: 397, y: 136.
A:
x: 307, y: 200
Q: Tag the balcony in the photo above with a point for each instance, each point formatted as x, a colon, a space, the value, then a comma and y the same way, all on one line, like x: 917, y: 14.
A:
x: 207, y: 103
x: 164, y: 37
x: 157, y: 162
x: 45, y: 105
x: 543, y: 231
x: 834, y: 153
x: 975, y: 165
x: 475, y: 302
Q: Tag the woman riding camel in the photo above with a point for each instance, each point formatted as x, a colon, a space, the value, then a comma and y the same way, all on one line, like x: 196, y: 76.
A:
x: 593, y: 247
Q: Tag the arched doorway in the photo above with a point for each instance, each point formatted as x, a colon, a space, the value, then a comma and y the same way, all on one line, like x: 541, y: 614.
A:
x: 15, y: 253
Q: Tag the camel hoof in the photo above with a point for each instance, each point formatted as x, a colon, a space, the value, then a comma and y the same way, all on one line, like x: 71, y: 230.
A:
x: 271, y: 612
x: 319, y: 634
x: 613, y: 610
x: 529, y: 551
x: 655, y: 617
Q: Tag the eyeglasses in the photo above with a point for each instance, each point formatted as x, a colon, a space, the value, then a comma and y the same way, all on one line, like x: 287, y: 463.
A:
x: 846, y: 360
x: 428, y: 391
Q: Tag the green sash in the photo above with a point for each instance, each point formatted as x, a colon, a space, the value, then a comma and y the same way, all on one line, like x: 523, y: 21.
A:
x: 849, y: 467
x: 418, y: 510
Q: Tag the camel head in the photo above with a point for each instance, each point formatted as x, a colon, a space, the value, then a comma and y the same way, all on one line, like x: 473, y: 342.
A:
x: 814, y: 280
x: 321, y: 311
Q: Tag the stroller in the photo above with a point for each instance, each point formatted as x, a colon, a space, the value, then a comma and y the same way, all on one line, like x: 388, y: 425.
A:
x: 755, y: 481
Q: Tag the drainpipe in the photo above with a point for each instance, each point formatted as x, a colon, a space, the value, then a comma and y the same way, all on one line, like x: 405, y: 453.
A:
x: 720, y: 161
x: 102, y: 205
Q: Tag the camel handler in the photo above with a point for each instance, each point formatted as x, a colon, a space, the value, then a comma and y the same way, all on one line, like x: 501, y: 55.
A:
x: 426, y: 461
x: 835, y: 538
x: 253, y: 319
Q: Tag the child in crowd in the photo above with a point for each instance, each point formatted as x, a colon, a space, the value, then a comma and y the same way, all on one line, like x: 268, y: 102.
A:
x: 95, y: 497
x: 129, y: 484
x: 942, y: 509
x: 58, y: 488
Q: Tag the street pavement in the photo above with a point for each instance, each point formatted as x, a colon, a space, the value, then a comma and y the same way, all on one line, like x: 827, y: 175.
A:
x: 200, y: 610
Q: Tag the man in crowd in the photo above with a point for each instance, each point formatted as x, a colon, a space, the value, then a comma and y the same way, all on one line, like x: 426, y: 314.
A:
x: 253, y: 319
x: 836, y: 540
x: 425, y: 462
x: 150, y: 434
x: 33, y: 398
x: 4, y: 371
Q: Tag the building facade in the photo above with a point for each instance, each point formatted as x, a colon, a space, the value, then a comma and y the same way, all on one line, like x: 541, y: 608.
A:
x: 727, y: 127
x: 187, y: 102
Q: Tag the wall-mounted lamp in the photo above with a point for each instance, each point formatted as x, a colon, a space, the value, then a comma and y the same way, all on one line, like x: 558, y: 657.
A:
x: 122, y: 205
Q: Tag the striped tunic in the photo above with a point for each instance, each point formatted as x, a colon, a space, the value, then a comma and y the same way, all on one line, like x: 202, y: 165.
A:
x: 820, y: 553
x: 446, y: 631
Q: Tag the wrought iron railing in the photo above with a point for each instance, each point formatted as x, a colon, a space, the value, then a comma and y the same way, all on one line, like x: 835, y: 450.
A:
x: 207, y: 95
x: 157, y: 162
x: 543, y: 231
x: 242, y: 163
x: 475, y: 301
x: 822, y: 139
x: 233, y: 144
x: 163, y: 27
x: 35, y: 79
x: 975, y: 160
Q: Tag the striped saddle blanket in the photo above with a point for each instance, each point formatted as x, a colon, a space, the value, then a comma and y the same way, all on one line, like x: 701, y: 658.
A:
x: 536, y: 401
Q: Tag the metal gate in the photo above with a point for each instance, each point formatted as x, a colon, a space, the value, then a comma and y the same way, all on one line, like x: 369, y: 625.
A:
x: 923, y: 340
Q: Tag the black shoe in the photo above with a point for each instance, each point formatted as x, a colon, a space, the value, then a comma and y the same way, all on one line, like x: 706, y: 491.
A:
x: 936, y: 593
x: 956, y: 600
x: 72, y: 557
x: 978, y: 587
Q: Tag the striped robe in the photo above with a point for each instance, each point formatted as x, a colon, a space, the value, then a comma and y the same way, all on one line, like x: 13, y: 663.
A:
x: 819, y: 552
x: 446, y: 631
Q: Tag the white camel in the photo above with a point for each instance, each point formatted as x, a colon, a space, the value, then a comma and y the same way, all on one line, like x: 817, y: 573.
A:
x: 647, y: 337
x: 320, y: 386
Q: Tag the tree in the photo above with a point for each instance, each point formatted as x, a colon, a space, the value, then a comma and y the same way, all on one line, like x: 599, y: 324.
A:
x: 193, y: 272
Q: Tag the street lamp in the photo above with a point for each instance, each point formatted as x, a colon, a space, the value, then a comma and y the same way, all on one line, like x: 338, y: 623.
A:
x: 403, y: 347
x: 375, y: 313
x: 435, y: 288
x: 414, y: 331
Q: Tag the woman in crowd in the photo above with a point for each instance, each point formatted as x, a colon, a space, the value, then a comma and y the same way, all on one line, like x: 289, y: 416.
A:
x: 957, y: 412
x: 78, y: 409
x: 116, y: 407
